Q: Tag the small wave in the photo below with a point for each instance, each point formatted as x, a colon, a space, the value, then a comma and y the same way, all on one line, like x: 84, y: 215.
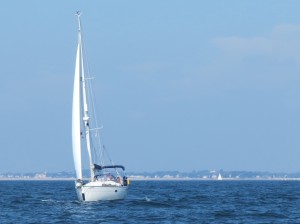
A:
x: 56, y: 201
x: 225, y: 213
x: 48, y: 200
x: 147, y: 199
x: 270, y: 214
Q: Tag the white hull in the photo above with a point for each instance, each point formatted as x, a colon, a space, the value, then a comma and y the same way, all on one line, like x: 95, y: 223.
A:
x: 101, y: 193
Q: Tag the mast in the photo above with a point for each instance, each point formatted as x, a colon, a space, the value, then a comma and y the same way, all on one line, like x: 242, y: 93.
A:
x: 84, y: 98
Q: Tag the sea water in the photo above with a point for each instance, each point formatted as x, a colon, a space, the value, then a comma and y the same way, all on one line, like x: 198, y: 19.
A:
x: 154, y: 202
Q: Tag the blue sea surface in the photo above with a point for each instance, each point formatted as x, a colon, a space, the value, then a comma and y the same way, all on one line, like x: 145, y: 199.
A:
x: 154, y: 202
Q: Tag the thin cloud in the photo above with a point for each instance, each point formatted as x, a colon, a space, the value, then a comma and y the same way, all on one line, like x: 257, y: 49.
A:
x: 282, y: 42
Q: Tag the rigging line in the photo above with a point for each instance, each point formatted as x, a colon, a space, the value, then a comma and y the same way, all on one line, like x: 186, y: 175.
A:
x: 97, y: 133
x: 97, y: 156
x: 112, y: 163
x: 89, y: 83
x: 93, y: 107
x: 90, y: 88
x: 90, y: 95
x: 108, y: 156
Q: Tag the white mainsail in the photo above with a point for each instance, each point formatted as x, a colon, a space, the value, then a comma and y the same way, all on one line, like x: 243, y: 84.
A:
x: 76, y: 138
x: 80, y: 88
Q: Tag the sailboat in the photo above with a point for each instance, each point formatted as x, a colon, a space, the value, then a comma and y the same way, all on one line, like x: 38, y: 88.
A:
x: 220, y: 177
x: 106, y: 182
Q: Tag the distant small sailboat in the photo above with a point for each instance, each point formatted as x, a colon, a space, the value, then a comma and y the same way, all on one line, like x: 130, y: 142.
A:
x: 220, y: 177
x: 107, y: 182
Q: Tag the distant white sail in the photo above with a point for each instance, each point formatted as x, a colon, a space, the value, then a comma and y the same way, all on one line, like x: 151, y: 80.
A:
x: 76, y: 138
x: 220, y: 177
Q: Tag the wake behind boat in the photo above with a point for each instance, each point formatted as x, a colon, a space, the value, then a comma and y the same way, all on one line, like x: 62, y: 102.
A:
x: 107, y: 182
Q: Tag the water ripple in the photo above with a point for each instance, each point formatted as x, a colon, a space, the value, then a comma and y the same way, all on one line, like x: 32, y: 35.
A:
x: 154, y: 202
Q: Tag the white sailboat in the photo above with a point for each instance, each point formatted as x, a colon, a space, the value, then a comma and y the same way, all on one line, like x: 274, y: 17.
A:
x: 220, y: 177
x: 106, y: 182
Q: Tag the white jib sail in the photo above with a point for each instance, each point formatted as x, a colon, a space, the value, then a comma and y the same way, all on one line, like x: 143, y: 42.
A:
x: 76, y: 136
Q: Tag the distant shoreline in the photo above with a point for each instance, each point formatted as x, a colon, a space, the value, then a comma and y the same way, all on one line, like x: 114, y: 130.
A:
x: 156, y: 179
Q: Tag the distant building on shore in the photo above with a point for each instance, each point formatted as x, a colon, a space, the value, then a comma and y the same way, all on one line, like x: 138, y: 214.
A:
x: 40, y: 175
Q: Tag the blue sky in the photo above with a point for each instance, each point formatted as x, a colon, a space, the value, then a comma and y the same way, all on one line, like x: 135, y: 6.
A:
x: 180, y: 85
